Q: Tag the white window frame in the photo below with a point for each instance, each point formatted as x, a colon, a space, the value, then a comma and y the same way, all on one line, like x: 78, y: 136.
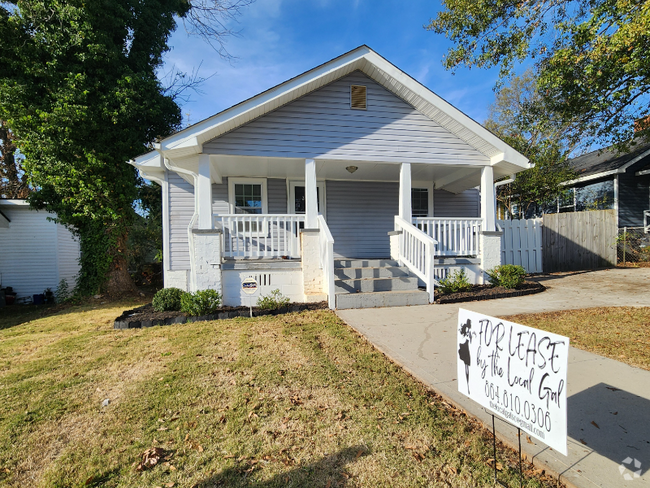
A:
x: 247, y: 181
x: 265, y: 202
x: 425, y: 185
x: 291, y: 201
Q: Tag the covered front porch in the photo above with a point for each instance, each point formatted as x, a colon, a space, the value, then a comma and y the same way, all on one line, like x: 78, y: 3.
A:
x: 333, y: 210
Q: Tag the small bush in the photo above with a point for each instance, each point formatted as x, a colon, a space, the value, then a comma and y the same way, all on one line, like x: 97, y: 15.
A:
x: 455, y: 281
x: 507, y: 275
x: 167, y: 299
x: 62, y: 292
x: 273, y: 301
x: 203, y: 302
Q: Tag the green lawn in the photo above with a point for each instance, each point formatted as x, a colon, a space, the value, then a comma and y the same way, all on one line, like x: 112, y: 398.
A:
x: 293, y: 400
x: 621, y: 333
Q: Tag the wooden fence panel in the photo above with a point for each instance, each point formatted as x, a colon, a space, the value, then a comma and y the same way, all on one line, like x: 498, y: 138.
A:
x: 579, y: 240
x: 521, y: 243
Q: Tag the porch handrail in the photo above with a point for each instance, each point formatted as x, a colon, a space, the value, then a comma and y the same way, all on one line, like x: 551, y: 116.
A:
x: 417, y: 251
x: 260, y: 235
x: 455, y: 236
x: 326, y: 242
x: 646, y: 219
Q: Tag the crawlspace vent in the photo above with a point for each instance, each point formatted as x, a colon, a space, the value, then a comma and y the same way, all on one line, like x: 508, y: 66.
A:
x: 358, y: 97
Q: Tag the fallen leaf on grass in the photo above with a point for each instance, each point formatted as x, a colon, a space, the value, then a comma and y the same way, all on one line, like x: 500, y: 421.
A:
x: 490, y: 463
x: 418, y: 457
x: 452, y: 470
x: 150, y: 458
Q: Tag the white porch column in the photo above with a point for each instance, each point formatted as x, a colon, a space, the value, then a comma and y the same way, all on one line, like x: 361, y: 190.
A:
x: 488, y: 207
x: 203, y: 200
x: 405, y: 192
x: 490, y: 237
x: 311, y: 195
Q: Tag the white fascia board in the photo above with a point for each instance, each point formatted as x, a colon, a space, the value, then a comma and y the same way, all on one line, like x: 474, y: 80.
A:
x: 620, y: 170
x: 642, y: 173
x: 595, y: 176
x: 14, y: 203
x: 189, y: 141
x: 508, y: 153
x: 194, y: 136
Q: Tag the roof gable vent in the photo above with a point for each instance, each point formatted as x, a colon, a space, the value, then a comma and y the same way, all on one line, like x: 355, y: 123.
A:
x: 358, y: 97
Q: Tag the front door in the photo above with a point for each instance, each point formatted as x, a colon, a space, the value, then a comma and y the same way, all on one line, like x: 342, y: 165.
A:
x: 297, y: 197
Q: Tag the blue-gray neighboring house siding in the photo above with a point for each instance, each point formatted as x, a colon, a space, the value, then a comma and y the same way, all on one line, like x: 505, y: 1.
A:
x: 322, y: 125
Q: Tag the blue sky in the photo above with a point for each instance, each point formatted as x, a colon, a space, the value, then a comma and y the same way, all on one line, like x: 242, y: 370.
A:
x: 279, y: 39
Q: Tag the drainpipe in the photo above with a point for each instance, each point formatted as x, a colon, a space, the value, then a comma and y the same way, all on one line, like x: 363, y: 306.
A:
x: 195, y: 216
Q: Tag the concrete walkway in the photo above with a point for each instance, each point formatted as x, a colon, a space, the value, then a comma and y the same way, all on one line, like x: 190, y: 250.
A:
x: 601, y: 391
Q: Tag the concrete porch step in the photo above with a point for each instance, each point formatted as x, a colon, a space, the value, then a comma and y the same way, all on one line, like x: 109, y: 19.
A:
x: 376, y: 284
x: 381, y: 299
x: 364, y: 263
x: 361, y: 273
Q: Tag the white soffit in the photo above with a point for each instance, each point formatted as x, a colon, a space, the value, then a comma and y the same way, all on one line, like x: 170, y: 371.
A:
x: 189, y: 141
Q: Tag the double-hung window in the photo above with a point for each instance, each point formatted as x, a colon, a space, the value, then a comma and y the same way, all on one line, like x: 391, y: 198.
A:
x: 248, y: 196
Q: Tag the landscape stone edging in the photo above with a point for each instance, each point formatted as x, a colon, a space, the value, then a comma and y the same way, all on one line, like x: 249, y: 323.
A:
x: 181, y: 319
x: 520, y: 293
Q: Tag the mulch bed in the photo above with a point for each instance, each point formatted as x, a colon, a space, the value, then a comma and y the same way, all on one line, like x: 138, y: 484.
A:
x: 489, y: 292
x: 146, y: 316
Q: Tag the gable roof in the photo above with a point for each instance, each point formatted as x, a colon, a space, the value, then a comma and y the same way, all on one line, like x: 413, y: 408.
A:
x: 189, y: 141
x: 608, y: 161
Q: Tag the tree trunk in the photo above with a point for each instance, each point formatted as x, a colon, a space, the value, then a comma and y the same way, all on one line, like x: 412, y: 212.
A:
x: 119, y: 282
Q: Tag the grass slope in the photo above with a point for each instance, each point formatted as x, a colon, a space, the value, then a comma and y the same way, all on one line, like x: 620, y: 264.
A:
x: 292, y: 400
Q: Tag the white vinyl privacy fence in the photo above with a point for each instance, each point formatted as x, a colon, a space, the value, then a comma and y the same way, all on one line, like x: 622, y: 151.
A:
x: 521, y: 243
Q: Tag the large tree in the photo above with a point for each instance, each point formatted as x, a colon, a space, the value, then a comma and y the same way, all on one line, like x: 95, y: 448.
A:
x: 592, y: 56
x: 545, y: 141
x: 13, y: 179
x: 78, y: 88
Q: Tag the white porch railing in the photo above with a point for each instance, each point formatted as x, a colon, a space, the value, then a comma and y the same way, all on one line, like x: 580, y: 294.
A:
x: 260, y: 235
x: 417, y: 252
x: 456, y: 237
x: 646, y: 221
x: 326, y: 242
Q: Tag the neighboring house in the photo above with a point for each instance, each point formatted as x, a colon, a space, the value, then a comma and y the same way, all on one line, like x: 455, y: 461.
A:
x: 36, y: 253
x: 608, y: 179
x: 308, y: 186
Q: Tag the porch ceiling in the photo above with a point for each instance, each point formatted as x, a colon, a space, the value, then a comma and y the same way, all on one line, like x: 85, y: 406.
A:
x: 452, y: 178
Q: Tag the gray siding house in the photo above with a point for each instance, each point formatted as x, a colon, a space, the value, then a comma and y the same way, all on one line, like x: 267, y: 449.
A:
x: 350, y: 183
x: 608, y: 179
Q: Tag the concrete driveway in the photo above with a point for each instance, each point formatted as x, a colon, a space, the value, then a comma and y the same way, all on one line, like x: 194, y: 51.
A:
x: 612, y: 395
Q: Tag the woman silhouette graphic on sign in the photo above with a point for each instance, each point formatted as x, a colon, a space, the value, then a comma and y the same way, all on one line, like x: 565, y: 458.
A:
x: 463, y: 350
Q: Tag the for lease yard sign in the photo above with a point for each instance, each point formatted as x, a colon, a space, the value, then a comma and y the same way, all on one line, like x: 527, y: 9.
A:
x: 516, y: 372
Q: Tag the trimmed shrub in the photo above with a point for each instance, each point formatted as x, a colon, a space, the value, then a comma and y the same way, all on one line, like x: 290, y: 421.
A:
x: 203, y: 302
x: 167, y: 299
x: 455, y: 281
x: 507, y: 275
x: 273, y: 301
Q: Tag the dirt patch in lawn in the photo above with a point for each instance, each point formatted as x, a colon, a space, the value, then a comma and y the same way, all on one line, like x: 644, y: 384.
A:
x: 489, y: 292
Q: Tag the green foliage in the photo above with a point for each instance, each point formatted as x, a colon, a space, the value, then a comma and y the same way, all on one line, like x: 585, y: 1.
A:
x: 544, y: 140
x: 507, y: 275
x: 273, y: 301
x: 167, y: 299
x: 79, y: 90
x: 144, y: 244
x: 591, y: 55
x: 13, y: 180
x: 455, y: 281
x: 62, y: 293
x: 202, y: 302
